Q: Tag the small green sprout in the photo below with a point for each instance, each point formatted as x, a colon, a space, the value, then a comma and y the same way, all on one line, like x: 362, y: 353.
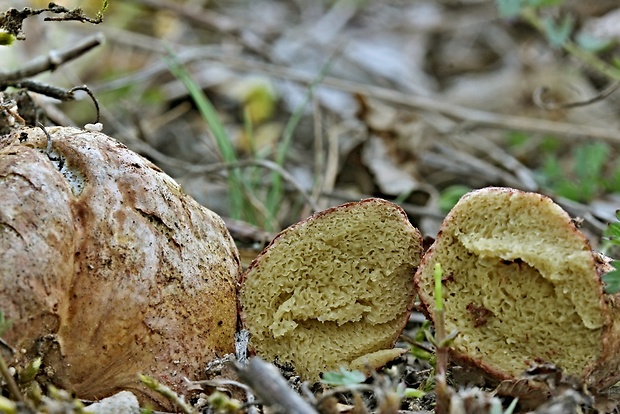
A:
x: 6, y: 39
x: 612, y: 279
x: 222, y: 403
x: 28, y: 374
x: 409, y: 392
x: 5, y: 324
x: 343, y: 378
x: 7, y: 406
x: 450, y: 196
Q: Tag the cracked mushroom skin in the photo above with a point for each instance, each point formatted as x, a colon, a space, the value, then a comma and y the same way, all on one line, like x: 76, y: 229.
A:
x: 107, y: 268
x: 334, y: 290
x: 522, y: 285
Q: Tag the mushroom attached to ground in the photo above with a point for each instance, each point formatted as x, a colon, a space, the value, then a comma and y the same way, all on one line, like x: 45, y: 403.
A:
x: 334, y: 290
x: 107, y: 269
x: 522, y: 285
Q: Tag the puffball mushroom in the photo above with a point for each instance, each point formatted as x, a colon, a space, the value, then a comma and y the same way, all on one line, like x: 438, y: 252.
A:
x: 522, y: 286
x: 334, y: 290
x: 107, y: 269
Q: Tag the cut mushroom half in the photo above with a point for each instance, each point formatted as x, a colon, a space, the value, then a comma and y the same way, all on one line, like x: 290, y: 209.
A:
x: 334, y: 290
x: 522, y: 286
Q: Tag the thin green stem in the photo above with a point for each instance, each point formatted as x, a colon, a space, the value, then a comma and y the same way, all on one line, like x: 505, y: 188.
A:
x: 274, y: 196
x: 226, y: 148
x: 442, y: 391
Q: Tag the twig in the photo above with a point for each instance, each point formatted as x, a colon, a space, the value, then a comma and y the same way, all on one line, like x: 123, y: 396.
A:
x: 161, y: 158
x: 475, y: 116
x: 484, y: 118
x: 52, y: 60
x: 212, y: 20
x: 272, y: 388
x: 333, y: 156
x: 505, y: 159
x: 8, y: 347
x: 411, y: 341
x: 246, y: 233
x: 270, y: 165
x: 12, y: 20
x: 319, y: 153
x: 48, y: 147
x: 350, y: 389
x: 470, y: 163
x: 584, y: 211
x: 242, y: 339
x: 10, y: 381
x: 52, y: 91
x: 538, y: 99
x: 49, y: 91
x: 410, y: 209
x: 75, y: 14
x: 530, y: 16
x: 223, y: 382
x: 90, y: 94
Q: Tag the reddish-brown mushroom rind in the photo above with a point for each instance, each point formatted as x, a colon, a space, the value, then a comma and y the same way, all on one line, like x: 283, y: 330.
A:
x: 107, y: 268
x: 333, y: 290
x: 522, y: 286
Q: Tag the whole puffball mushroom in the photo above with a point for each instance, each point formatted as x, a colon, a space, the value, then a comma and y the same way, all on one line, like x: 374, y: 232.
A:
x: 334, y: 290
x: 107, y: 269
x: 522, y: 286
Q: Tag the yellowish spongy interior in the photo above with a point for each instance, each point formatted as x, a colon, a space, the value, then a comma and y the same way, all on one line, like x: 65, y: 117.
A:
x: 519, y: 283
x: 333, y: 289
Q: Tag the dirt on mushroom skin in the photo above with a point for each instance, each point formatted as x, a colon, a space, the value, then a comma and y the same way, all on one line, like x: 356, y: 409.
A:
x: 107, y: 268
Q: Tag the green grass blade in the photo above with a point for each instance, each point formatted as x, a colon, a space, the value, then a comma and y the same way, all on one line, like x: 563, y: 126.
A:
x: 225, y: 146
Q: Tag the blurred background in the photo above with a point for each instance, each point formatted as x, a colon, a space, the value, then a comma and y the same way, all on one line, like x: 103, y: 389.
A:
x: 266, y: 111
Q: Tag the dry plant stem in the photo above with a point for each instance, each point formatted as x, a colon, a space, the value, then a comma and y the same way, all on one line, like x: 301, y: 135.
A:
x: 475, y: 116
x: 168, y: 393
x: 588, y: 58
x: 52, y: 60
x: 10, y: 381
x: 85, y: 89
x: 410, y: 209
x: 411, y: 341
x: 251, y: 409
x: 6, y: 346
x: 215, y: 21
x: 270, y: 165
x: 52, y: 112
x: 319, y: 155
x: 272, y: 388
x: 333, y: 156
x: 143, y: 147
x: 502, y: 158
x: 584, y: 211
x: 456, y: 160
x: 352, y: 389
x: 538, y: 98
x: 432, y: 104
